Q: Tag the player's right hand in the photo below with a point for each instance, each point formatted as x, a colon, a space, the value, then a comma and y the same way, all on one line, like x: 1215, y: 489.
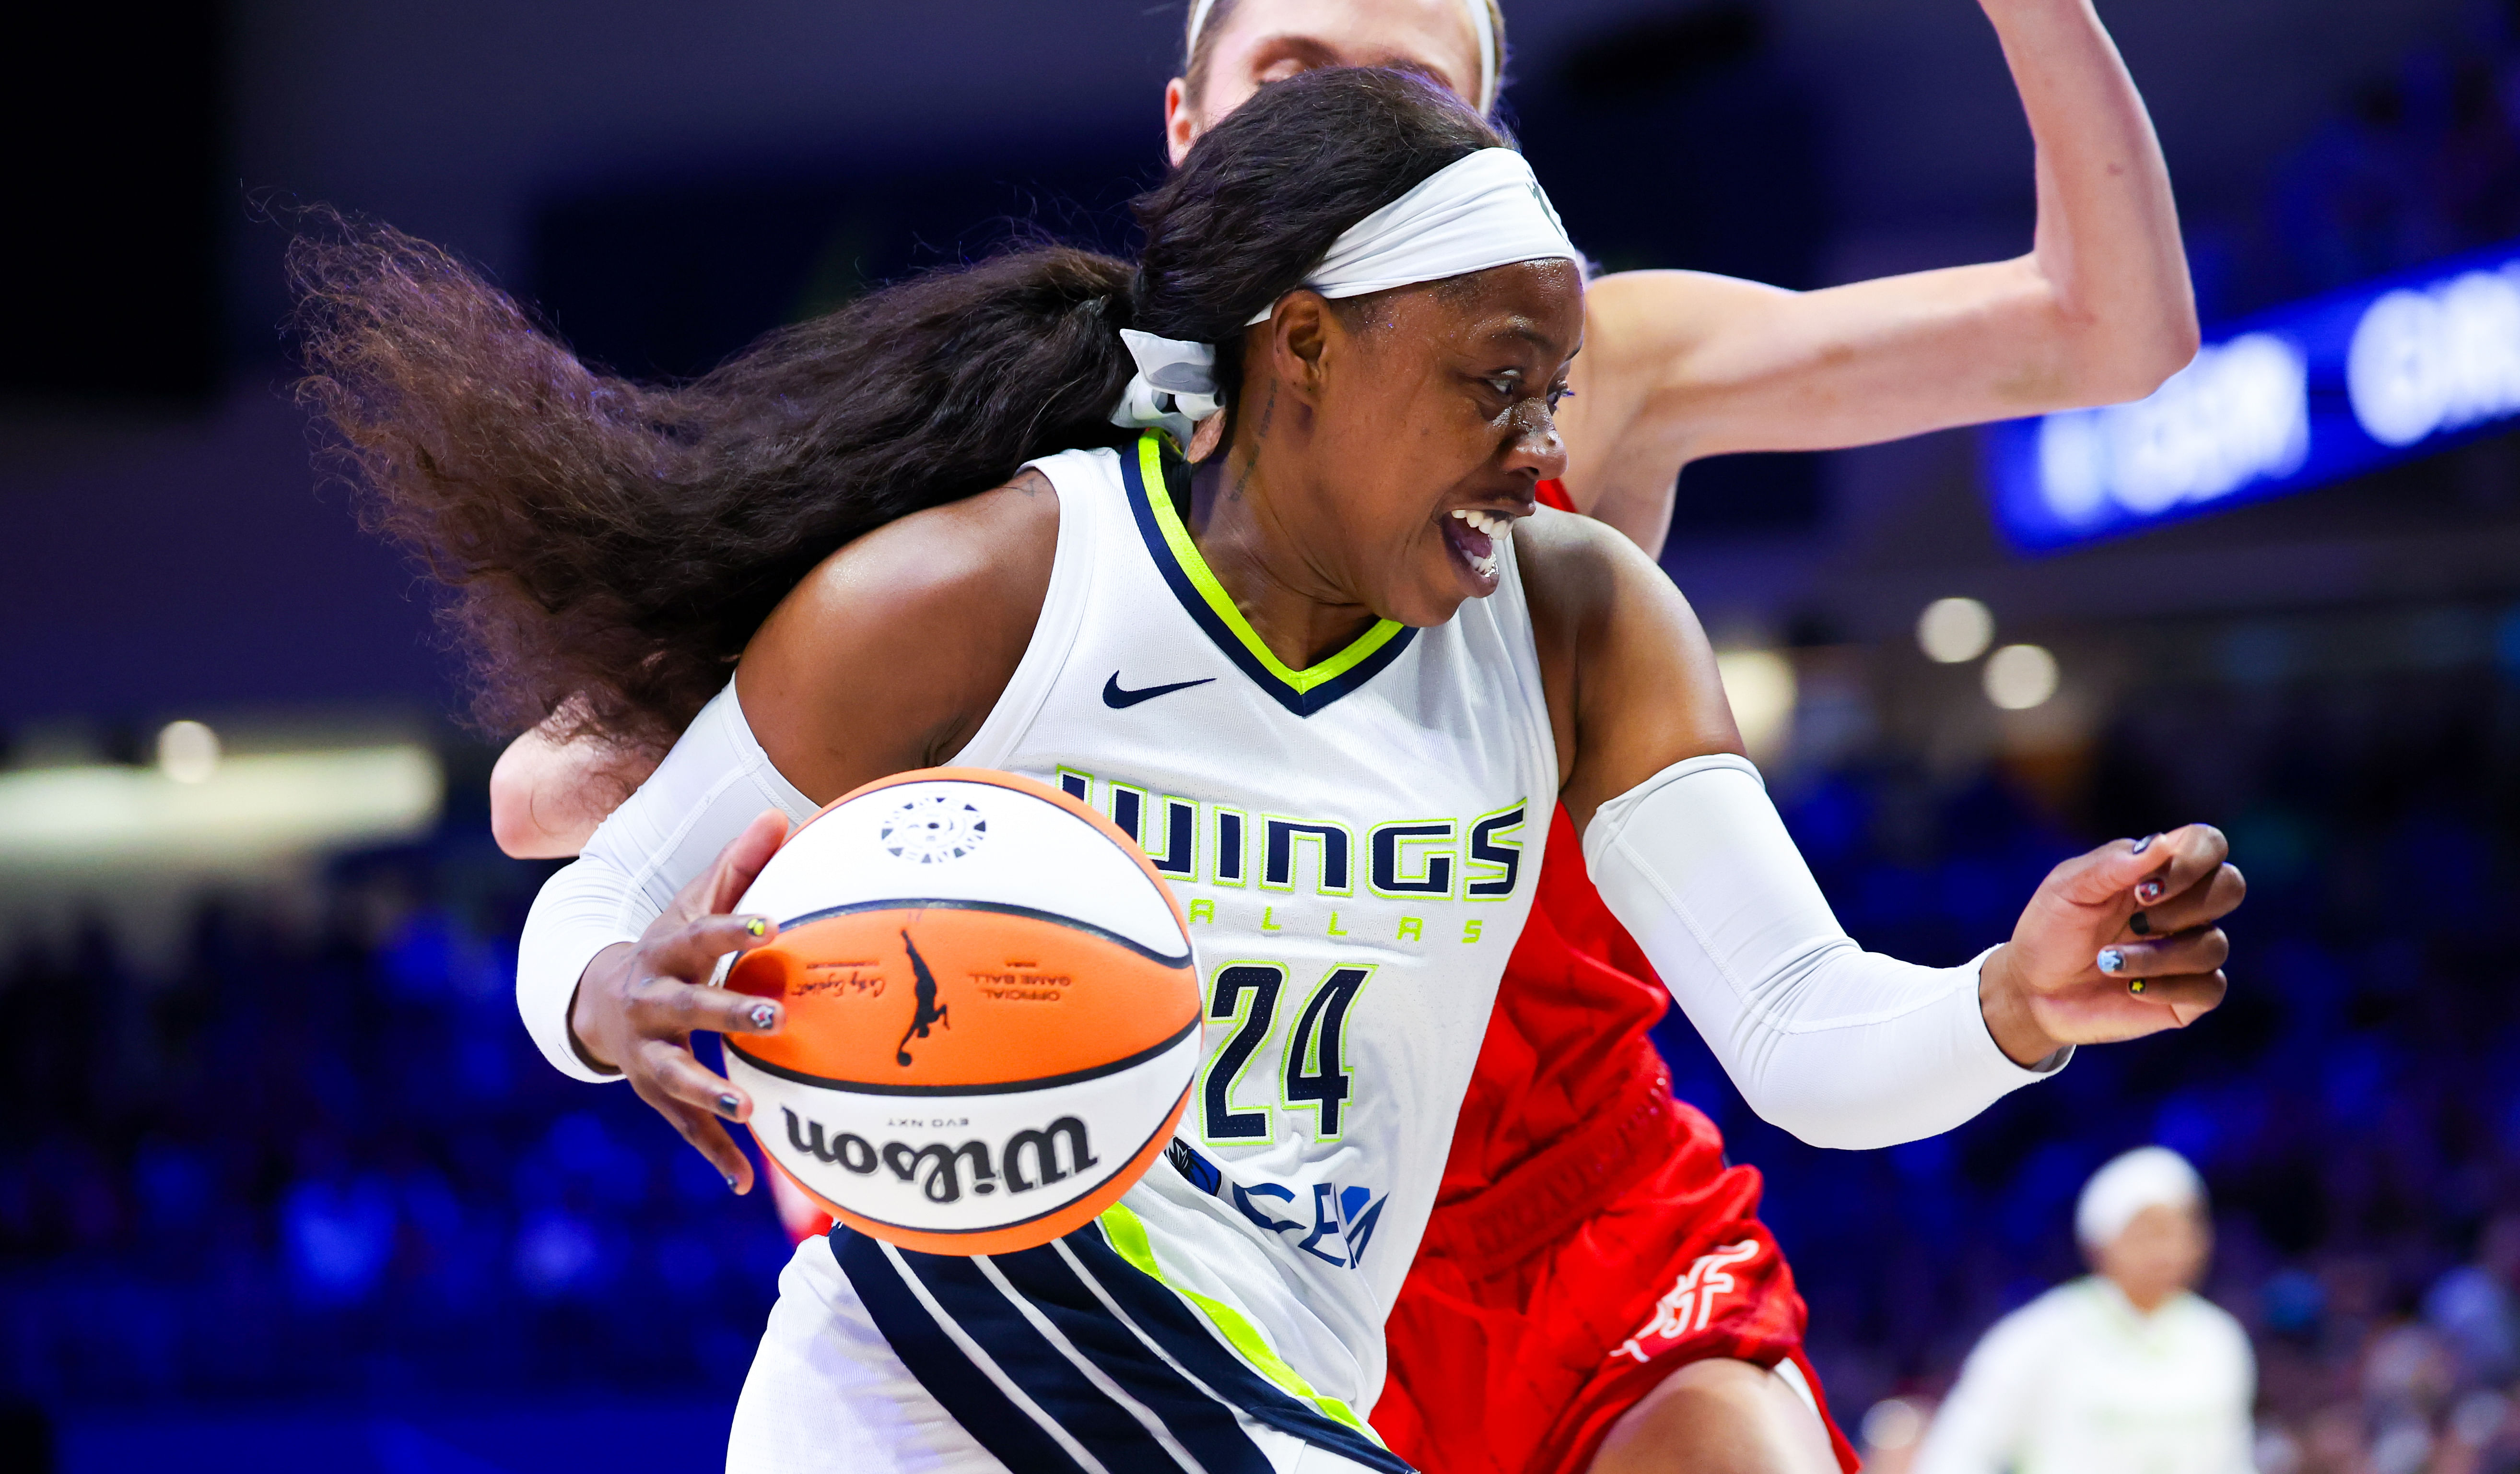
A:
x: 638, y: 1005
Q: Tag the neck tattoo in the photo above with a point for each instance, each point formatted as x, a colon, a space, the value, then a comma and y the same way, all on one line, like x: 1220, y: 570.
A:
x: 1259, y: 433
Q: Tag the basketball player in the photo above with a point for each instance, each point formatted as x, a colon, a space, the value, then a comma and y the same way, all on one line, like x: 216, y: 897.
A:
x: 1319, y: 538
x: 1580, y: 1196
x: 2126, y: 1368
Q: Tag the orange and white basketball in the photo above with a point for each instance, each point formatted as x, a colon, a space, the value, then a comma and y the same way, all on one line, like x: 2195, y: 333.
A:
x: 992, y: 1018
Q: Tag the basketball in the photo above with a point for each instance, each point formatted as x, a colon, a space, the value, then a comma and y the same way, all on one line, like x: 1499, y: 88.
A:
x: 991, y: 1016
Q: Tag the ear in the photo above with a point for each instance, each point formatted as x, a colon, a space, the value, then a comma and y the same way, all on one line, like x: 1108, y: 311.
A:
x: 1300, y: 334
x: 1181, y: 126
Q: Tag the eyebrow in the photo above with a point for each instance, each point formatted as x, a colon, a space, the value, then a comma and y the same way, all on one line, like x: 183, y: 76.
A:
x: 1536, y: 339
x: 1292, y: 46
x: 1296, y: 46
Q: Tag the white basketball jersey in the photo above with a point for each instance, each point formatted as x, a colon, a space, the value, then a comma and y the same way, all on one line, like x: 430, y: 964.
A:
x: 1355, y: 846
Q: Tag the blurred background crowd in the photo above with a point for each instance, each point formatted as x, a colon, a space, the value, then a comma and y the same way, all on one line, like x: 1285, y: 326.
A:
x: 274, y: 1150
x: 319, y: 1160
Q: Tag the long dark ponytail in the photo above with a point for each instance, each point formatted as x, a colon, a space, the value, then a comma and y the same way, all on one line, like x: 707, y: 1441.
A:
x: 612, y: 546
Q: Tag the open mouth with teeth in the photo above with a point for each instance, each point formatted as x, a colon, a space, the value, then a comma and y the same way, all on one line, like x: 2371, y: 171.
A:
x: 1473, y: 535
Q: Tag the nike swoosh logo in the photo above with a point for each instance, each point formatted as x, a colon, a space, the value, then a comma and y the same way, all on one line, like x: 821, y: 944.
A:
x: 1120, y: 699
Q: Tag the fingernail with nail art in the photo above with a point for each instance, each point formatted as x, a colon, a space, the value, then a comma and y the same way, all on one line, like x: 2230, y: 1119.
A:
x: 2139, y: 924
x: 729, y: 1180
x: 2111, y: 959
x: 728, y: 1104
x: 756, y: 927
x: 762, y: 1016
x: 2148, y: 892
x: 2137, y: 986
x: 2145, y: 844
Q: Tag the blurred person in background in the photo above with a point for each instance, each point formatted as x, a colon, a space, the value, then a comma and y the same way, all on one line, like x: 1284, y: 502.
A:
x: 2473, y: 1306
x: 2125, y: 1371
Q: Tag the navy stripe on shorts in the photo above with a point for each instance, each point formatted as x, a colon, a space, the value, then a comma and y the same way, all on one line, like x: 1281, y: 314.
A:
x: 1026, y: 1351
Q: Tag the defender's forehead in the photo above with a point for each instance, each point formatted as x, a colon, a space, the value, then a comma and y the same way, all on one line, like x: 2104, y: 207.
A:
x: 1433, y: 35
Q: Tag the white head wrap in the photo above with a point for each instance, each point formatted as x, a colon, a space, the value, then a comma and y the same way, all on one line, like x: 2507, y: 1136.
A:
x: 1482, y: 25
x: 1481, y: 210
x: 2149, y: 1177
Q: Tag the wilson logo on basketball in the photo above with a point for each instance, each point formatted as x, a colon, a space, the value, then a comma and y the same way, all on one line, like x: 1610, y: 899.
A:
x: 1031, y: 1158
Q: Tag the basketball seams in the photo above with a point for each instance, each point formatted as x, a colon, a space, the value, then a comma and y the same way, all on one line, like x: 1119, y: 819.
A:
x: 991, y: 1087
x: 998, y: 908
x: 1113, y: 835
x: 1014, y: 1000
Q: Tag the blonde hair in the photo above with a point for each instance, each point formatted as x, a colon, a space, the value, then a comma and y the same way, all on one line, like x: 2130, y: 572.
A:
x: 1206, y: 18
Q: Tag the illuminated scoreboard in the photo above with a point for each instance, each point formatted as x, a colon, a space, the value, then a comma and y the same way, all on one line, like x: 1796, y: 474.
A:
x: 2285, y: 401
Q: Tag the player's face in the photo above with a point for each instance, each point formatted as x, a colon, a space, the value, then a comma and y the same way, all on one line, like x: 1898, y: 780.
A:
x: 1424, y: 405
x: 1264, y: 41
x: 2160, y: 1251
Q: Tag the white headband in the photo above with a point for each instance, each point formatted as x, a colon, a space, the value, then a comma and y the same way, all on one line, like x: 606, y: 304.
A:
x: 1482, y: 25
x: 1481, y: 210
x: 2149, y: 1177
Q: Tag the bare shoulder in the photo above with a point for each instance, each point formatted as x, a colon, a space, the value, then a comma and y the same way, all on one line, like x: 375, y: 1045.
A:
x: 990, y: 548
x: 1575, y: 571
x: 890, y: 652
x: 1630, y: 679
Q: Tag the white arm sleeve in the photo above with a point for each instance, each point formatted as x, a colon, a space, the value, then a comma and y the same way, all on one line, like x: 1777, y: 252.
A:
x: 715, y: 781
x: 1840, y: 1046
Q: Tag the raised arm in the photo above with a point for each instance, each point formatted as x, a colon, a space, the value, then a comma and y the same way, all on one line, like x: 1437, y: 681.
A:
x: 1681, y: 365
x: 1841, y: 1047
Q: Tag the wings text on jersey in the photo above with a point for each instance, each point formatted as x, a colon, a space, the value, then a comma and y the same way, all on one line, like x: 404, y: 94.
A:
x: 1474, y: 857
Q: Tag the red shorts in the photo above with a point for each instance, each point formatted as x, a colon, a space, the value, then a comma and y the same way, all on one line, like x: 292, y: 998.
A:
x: 1589, y: 1239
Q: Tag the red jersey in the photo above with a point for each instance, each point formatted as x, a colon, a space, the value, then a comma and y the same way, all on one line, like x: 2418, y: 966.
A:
x: 1589, y: 1238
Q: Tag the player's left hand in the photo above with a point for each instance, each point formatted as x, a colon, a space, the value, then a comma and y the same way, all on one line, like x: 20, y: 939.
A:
x: 2117, y: 943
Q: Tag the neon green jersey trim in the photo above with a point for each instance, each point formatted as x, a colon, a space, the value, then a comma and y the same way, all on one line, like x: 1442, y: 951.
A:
x: 1128, y: 1238
x: 1151, y: 468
